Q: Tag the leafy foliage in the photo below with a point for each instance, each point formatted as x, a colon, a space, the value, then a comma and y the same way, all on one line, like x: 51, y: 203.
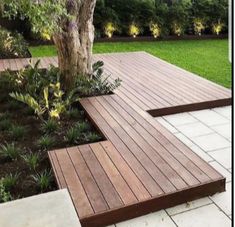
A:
x: 10, y: 180
x: 32, y: 160
x: 49, y: 126
x: 12, y: 45
x: 5, y: 195
x: 169, y: 15
x: 98, y: 84
x: 43, y: 15
x: 43, y: 180
x: 45, y: 142
x: 17, y: 132
x: 73, y: 135
x: 42, y: 92
x: 5, y: 124
x: 9, y: 151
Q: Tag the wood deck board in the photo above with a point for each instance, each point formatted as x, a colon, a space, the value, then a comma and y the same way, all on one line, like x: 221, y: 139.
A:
x: 141, y: 167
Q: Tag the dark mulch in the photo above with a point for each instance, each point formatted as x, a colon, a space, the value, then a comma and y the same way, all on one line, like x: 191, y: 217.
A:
x: 19, y: 114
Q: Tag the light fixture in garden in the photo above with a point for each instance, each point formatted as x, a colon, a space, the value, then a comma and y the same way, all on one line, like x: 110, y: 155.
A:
x: 109, y: 29
x: 217, y: 27
x: 177, y: 29
x: 134, y: 30
x: 155, y: 29
x: 198, y: 26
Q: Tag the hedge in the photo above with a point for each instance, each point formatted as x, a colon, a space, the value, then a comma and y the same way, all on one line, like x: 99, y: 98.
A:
x: 169, y: 17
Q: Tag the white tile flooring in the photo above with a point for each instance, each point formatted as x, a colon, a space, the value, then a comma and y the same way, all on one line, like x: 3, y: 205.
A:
x: 208, y: 133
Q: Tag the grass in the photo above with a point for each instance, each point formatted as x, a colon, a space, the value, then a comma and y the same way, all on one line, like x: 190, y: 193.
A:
x: 207, y: 58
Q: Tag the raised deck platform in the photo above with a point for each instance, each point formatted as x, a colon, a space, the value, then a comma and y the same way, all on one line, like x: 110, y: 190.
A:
x: 141, y: 167
x: 153, y: 84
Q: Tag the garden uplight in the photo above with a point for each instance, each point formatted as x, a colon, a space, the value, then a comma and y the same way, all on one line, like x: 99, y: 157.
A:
x: 134, y: 30
x: 198, y: 26
x: 217, y: 28
x: 109, y: 29
x: 177, y: 29
x: 155, y: 29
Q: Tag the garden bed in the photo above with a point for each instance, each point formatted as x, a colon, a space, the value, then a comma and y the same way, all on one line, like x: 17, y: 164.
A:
x: 25, y: 140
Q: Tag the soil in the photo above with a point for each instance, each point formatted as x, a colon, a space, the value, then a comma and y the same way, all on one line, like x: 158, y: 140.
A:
x: 20, y: 114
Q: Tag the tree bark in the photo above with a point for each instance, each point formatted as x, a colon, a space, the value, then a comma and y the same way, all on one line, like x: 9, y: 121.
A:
x: 74, y: 41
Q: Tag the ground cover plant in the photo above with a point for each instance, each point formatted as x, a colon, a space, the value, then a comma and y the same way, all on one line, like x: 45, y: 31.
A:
x: 207, y: 58
x: 44, y: 117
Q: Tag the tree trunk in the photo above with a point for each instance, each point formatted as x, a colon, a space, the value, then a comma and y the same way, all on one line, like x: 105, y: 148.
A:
x: 75, y: 41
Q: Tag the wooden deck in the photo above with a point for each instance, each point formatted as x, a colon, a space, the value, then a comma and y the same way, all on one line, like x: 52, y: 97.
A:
x: 141, y: 167
x: 153, y: 84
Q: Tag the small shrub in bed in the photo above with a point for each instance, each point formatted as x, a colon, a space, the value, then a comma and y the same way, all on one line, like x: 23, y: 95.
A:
x: 92, y: 137
x: 32, y: 160
x: 5, y: 124
x: 43, y: 180
x: 9, y: 151
x: 73, y: 135
x: 45, y: 142
x: 49, y: 126
x: 10, y: 180
x: 12, y: 45
x: 17, y: 132
x: 5, y: 195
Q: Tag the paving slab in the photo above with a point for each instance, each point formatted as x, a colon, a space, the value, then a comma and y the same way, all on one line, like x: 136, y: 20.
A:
x: 194, y: 129
x: 156, y: 219
x: 224, y: 111
x: 211, y: 142
x: 223, y: 156
x: 223, y: 200
x: 180, y: 119
x: 206, y: 216
x: 53, y: 209
x: 188, y: 206
x: 210, y: 117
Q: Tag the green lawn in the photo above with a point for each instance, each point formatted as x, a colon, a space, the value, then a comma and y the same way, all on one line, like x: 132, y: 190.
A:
x: 207, y: 58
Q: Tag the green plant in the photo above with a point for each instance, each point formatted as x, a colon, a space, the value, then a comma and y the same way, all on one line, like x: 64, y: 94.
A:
x: 5, y: 196
x: 43, y: 180
x: 14, y: 105
x: 10, y: 180
x: 92, y: 137
x: 17, y: 132
x: 12, y: 45
x: 49, y: 126
x: 9, y: 151
x: 32, y: 160
x: 4, y: 116
x: 74, y: 113
x: 83, y: 126
x: 45, y: 142
x: 73, y: 135
x: 43, y: 94
x: 5, y: 125
x: 98, y: 84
